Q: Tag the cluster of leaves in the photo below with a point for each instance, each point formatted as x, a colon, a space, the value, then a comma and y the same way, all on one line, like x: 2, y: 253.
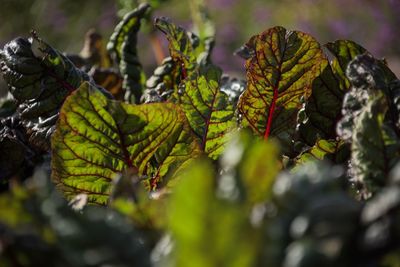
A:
x: 296, y: 166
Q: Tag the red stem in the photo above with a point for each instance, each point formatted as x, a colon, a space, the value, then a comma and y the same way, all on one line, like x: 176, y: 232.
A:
x: 271, y: 114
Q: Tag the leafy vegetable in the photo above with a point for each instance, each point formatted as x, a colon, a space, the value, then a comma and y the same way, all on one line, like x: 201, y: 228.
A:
x: 40, y: 78
x: 122, y: 46
x: 280, y: 70
x: 97, y: 138
x: 184, y: 177
x: 209, y: 112
x: 367, y: 124
x: 47, y: 232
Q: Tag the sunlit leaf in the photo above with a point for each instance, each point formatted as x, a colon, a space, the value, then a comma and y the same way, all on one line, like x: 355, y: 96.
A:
x: 334, y: 150
x: 279, y: 75
x: 209, y: 231
x: 97, y: 138
x: 208, y: 109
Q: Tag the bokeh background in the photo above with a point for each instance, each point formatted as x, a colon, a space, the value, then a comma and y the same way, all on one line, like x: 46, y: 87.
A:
x: 63, y: 23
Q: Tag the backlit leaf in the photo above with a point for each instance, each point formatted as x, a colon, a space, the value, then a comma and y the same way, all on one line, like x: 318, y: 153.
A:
x: 334, y: 150
x: 208, y: 109
x: 97, y: 138
x: 280, y: 72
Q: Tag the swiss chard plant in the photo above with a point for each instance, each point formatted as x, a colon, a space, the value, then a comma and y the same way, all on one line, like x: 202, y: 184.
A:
x: 296, y: 165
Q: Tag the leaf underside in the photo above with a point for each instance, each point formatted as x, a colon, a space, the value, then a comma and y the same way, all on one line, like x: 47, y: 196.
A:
x: 279, y: 74
x: 96, y: 138
x: 208, y: 109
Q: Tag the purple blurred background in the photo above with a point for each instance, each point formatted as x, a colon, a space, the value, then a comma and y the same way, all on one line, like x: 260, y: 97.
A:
x: 63, y: 23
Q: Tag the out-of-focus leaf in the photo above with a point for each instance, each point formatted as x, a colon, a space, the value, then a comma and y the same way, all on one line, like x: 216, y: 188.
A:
x: 375, y: 146
x: 252, y: 165
x: 334, y: 150
x: 109, y: 79
x: 97, y: 138
x: 209, y: 112
x: 38, y: 228
x: 122, y: 47
x: 368, y: 124
x: 8, y: 106
x: 203, y: 27
x: 93, y: 53
x: 215, y: 215
x: 279, y: 75
x: 303, y: 230
x: 209, y: 231
x: 164, y: 81
x: 233, y: 87
x: 147, y: 210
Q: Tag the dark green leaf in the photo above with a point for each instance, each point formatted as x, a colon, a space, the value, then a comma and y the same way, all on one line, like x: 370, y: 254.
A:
x: 369, y: 125
x: 122, y: 46
x: 38, y: 228
x: 39, y: 78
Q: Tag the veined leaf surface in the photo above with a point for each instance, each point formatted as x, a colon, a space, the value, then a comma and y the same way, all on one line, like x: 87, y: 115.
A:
x: 208, y: 109
x: 344, y: 52
x: 97, y: 138
x: 181, y: 45
x: 280, y: 70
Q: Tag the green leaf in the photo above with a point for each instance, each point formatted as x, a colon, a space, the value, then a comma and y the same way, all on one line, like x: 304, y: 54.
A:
x: 209, y: 231
x: 369, y: 124
x: 344, y: 52
x: 375, y: 146
x: 39, y: 78
x: 208, y: 109
x: 335, y: 151
x: 122, y: 46
x: 322, y: 110
x: 280, y: 71
x: 110, y: 80
x: 8, y: 106
x: 38, y: 225
x: 182, y: 45
x: 96, y: 138
x: 164, y: 81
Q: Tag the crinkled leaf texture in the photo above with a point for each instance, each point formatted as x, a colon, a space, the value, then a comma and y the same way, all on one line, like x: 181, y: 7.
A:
x: 280, y: 69
x: 39, y: 78
x: 185, y: 50
x: 122, y: 46
x: 208, y: 109
x: 318, y: 117
x: 369, y: 123
x: 96, y: 138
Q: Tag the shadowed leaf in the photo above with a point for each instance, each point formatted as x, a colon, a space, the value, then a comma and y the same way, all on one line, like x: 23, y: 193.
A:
x: 122, y: 47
